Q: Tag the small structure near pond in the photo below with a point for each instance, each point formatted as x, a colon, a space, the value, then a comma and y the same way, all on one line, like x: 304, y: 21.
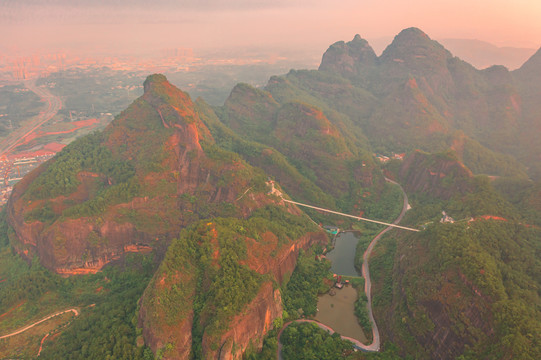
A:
x: 331, y: 229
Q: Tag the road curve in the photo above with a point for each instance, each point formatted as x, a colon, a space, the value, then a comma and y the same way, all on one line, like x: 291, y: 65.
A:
x: 356, y: 343
x: 375, y: 346
x: 75, y: 311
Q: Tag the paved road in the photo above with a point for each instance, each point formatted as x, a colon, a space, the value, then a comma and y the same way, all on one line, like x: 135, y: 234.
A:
x: 375, y: 346
x: 75, y: 311
x: 356, y: 343
x: 53, y: 105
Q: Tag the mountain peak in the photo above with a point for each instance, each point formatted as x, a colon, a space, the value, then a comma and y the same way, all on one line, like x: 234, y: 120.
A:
x: 361, y: 46
x: 412, y: 33
x: 413, y: 49
x: 168, y: 99
x: 154, y: 80
x: 158, y: 88
x: 415, y: 44
x: 348, y: 58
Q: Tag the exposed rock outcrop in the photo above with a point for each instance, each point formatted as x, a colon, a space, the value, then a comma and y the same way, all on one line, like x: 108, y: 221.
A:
x: 349, y: 59
x: 267, y: 256
x: 250, y: 327
x: 160, y: 136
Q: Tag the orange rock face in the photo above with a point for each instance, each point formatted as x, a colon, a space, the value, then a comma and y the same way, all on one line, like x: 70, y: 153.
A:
x: 251, y: 326
x: 246, y: 328
x: 160, y: 134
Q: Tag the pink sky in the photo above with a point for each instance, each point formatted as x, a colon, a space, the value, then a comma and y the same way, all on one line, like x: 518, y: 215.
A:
x: 135, y: 25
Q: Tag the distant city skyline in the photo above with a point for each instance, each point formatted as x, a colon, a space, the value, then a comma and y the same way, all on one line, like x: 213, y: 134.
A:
x: 131, y: 26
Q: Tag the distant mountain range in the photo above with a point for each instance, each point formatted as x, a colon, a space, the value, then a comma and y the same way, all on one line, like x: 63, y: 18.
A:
x: 481, y: 54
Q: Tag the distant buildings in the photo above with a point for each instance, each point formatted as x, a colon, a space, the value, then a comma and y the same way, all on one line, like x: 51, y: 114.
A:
x: 13, y: 169
x: 4, y: 194
x: 384, y: 159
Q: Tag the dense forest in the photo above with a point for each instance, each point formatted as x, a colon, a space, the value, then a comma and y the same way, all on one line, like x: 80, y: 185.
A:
x: 308, y: 341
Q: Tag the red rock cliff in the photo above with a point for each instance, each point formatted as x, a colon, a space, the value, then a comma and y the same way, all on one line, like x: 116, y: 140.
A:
x: 173, y: 336
x: 160, y: 134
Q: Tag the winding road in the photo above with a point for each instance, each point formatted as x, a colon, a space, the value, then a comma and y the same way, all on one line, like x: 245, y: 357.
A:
x: 375, y: 345
x: 356, y: 343
x: 54, y: 104
x: 75, y: 311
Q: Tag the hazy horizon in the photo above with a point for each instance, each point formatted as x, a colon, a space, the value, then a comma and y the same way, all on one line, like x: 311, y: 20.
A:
x: 133, y: 27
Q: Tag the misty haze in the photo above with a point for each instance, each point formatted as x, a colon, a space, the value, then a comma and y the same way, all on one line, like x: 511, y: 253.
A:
x: 270, y: 179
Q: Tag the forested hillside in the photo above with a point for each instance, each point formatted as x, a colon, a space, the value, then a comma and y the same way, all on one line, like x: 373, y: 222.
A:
x: 464, y: 288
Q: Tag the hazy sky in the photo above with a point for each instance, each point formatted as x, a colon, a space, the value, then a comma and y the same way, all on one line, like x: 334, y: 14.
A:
x: 129, y: 25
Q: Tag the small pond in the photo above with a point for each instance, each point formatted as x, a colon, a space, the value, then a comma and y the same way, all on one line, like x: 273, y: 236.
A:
x: 342, y: 256
x: 337, y: 312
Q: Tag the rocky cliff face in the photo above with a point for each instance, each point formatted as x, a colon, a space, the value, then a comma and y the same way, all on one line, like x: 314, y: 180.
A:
x: 165, y: 175
x: 158, y: 338
x: 258, y: 317
x: 349, y: 59
x: 249, y: 328
x: 178, y: 310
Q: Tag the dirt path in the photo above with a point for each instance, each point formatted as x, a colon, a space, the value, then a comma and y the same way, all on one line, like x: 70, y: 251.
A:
x: 75, y: 311
x: 12, y: 309
x: 41, y: 343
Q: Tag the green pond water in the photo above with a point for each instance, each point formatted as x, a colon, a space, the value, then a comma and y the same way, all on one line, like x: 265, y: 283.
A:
x: 342, y: 256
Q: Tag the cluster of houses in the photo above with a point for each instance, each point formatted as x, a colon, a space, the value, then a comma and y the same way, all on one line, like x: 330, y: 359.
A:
x: 383, y: 159
x: 12, y: 169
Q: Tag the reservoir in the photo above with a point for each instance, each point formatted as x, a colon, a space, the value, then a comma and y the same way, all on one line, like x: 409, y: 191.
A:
x: 342, y: 256
x: 338, y: 310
